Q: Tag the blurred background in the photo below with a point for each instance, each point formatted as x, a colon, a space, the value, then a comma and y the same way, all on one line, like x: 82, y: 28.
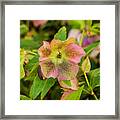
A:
x: 33, y: 32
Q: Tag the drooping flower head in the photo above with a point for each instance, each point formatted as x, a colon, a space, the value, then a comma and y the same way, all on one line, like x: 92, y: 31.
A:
x: 60, y: 60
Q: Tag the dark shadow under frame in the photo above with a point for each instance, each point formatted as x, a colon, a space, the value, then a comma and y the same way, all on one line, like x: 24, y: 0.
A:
x: 70, y: 2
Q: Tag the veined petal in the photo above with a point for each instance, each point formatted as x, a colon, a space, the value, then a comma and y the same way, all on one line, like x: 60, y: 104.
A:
x: 74, y: 52
x: 48, y: 69
x: 75, y: 33
x: 56, y: 44
x: 44, y: 51
x: 70, y: 40
x: 73, y: 84
x: 67, y: 70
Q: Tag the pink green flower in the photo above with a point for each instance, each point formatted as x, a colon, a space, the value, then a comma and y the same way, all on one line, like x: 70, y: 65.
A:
x: 38, y: 23
x: 89, y: 40
x: 87, y: 37
x: 60, y: 60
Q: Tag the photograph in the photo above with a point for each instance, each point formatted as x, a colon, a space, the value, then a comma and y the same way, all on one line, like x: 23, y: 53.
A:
x: 60, y: 59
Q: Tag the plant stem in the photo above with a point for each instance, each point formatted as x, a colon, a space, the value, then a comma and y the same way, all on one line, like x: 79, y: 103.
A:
x: 86, y: 91
x: 87, y: 80
x: 94, y: 95
x: 90, y: 86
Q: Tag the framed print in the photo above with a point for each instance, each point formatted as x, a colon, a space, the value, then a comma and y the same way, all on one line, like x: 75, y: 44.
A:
x: 60, y: 59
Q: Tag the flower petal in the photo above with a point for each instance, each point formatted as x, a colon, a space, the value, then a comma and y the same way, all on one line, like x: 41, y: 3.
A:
x: 88, y: 40
x: 56, y: 44
x: 75, y: 33
x: 67, y: 70
x: 74, y: 52
x: 48, y: 69
x: 73, y: 84
x: 70, y: 40
x: 44, y: 51
x: 37, y: 23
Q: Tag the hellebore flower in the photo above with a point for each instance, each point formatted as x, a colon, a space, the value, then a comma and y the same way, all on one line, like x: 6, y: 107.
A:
x: 74, y: 33
x: 88, y: 40
x: 37, y: 23
x: 95, y: 54
x: 60, y: 60
x: 87, y: 37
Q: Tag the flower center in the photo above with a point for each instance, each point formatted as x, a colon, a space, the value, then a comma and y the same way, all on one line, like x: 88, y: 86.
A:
x: 59, y: 55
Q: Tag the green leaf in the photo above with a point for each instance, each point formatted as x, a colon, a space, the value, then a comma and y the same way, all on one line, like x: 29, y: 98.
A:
x: 85, y: 95
x: 28, y: 43
x: 41, y: 36
x: 78, y: 24
x: 94, y: 77
x: 91, y: 47
x: 36, y: 87
x: 33, y: 72
x: 32, y: 66
x: 61, y: 34
x: 67, y: 82
x: 24, y: 87
x: 75, y: 95
x: 56, y: 92
x: 32, y: 62
x: 86, y: 65
x: 96, y: 26
x: 30, y: 54
x: 95, y: 31
x: 88, y: 23
x: 81, y: 39
x: 82, y: 24
x: 23, y: 97
x: 22, y: 73
x: 22, y: 57
x: 47, y: 85
x: 23, y: 29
